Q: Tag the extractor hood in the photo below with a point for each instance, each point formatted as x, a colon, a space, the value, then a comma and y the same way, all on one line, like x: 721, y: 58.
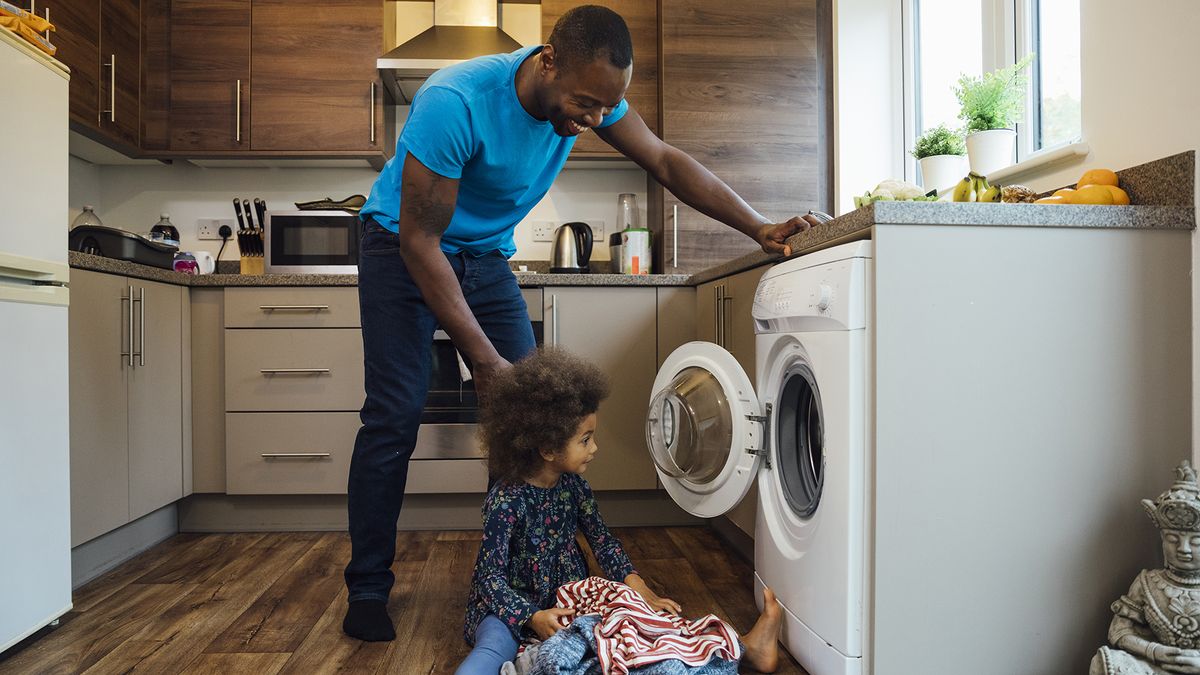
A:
x: 462, y: 30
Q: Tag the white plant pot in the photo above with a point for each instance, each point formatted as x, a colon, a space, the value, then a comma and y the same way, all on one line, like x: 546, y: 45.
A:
x: 991, y: 150
x: 941, y: 172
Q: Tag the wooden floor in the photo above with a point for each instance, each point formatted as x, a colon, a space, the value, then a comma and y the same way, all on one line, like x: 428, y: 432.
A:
x: 273, y: 603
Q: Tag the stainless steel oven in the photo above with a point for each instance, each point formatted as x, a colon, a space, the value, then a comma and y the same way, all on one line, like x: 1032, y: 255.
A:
x: 311, y: 242
x: 448, y: 421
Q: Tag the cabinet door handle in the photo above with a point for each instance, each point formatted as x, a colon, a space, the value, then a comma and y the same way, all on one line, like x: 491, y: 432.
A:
x: 554, y: 319
x: 293, y: 308
x: 717, y: 314
x: 726, y: 300
x: 293, y: 455
x: 128, y: 353
x: 293, y: 371
x: 141, y: 326
x: 675, y: 235
x: 112, y: 88
x: 237, y: 112
x: 372, y: 113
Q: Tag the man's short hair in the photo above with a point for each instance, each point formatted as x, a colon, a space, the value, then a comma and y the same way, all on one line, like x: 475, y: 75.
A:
x: 588, y: 32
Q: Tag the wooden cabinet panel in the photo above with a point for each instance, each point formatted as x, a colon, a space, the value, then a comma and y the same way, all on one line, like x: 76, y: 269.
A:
x: 741, y: 92
x: 210, y: 75
x: 676, y: 320
x: 614, y: 328
x: 156, y: 398
x: 76, y: 24
x: 314, y: 77
x: 98, y: 332
x: 739, y: 318
x: 120, y: 70
x: 642, y: 18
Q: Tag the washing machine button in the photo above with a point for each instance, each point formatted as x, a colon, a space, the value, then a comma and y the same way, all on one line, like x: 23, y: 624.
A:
x: 825, y: 297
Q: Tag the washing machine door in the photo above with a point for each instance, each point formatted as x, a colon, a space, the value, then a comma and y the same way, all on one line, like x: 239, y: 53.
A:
x: 704, y: 429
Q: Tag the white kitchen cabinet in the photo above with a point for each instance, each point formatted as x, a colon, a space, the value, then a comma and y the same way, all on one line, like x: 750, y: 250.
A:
x: 126, y: 396
x: 615, y: 328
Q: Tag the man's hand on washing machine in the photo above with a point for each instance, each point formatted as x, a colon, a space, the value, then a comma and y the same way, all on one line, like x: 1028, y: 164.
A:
x: 656, y: 602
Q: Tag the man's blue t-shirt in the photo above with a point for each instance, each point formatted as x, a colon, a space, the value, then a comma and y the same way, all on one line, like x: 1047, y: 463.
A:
x: 467, y: 123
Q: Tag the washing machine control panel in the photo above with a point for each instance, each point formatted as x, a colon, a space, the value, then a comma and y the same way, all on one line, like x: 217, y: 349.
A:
x: 830, y: 296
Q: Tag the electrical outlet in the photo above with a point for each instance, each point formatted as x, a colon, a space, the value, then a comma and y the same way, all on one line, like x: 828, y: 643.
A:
x: 209, y: 228
x: 543, y: 230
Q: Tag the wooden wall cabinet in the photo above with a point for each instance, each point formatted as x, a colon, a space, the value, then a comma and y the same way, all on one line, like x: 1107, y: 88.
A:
x: 126, y: 416
x: 745, y: 91
x: 260, y: 77
x: 99, y: 40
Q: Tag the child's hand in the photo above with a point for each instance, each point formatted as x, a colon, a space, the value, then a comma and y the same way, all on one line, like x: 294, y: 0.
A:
x: 545, y: 622
x: 659, y: 604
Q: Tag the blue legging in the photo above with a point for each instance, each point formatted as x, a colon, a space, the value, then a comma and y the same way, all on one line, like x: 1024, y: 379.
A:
x: 494, y: 645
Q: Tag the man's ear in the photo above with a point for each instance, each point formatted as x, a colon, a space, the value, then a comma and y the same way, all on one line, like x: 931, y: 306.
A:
x: 549, y: 59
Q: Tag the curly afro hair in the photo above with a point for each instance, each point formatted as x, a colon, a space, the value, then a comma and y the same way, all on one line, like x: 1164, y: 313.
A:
x: 585, y: 33
x: 536, y: 406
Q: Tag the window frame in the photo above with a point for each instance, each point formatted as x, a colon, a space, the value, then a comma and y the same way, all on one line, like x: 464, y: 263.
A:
x: 1009, y: 29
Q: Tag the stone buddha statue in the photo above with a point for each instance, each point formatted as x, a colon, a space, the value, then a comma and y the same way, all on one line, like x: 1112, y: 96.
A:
x: 1156, y: 624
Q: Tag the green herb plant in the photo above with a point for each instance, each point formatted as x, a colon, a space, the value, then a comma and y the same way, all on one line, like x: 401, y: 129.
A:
x: 994, y: 101
x: 940, y: 140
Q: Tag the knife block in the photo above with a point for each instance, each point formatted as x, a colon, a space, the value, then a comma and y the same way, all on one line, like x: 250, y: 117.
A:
x: 252, y: 265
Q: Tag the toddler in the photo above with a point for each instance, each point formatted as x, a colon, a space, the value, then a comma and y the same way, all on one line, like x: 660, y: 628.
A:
x: 538, y: 424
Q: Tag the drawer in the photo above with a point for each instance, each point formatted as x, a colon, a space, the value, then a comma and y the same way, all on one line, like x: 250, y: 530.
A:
x: 293, y: 369
x: 306, y: 307
x: 298, y: 453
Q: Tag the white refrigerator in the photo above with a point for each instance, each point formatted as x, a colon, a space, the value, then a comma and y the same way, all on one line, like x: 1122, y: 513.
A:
x: 35, y: 533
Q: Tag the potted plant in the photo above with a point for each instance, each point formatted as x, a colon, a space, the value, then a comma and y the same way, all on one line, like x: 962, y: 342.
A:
x: 991, y: 106
x: 940, y: 152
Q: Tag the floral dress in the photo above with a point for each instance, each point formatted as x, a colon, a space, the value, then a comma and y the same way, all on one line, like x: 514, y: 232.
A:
x: 529, y: 550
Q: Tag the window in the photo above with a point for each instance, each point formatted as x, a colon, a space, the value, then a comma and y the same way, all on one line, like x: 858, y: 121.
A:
x: 1056, y: 116
x: 954, y: 37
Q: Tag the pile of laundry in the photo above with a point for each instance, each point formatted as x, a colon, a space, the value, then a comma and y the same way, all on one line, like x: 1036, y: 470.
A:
x: 614, y: 632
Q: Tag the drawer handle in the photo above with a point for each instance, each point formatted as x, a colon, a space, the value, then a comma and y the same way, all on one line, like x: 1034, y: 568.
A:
x: 294, y: 371
x: 293, y: 308
x: 294, y: 455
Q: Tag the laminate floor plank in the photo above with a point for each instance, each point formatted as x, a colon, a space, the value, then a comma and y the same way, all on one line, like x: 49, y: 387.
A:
x: 226, y: 664
x: 170, y: 642
x: 200, y: 561
x: 285, y: 614
x: 114, y: 580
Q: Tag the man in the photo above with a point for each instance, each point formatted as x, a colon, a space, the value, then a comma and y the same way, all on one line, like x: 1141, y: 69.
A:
x: 482, y: 144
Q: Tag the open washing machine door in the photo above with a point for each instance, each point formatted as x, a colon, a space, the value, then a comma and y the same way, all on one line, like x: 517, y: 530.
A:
x: 705, y: 429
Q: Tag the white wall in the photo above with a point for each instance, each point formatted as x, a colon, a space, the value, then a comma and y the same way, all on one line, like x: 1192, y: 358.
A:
x: 131, y: 197
x: 1139, y: 104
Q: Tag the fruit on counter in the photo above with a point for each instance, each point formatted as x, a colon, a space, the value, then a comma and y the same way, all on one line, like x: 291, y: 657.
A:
x: 1065, y: 193
x: 1120, y: 197
x: 1051, y: 200
x: 895, y: 190
x: 1098, y: 177
x: 975, y: 188
x: 1017, y: 194
x: 1092, y: 194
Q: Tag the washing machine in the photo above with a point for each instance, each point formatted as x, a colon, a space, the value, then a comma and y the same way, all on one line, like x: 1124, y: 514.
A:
x: 801, y: 435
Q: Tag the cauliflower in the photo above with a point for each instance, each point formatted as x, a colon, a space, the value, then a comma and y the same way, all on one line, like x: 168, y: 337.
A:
x: 894, y: 190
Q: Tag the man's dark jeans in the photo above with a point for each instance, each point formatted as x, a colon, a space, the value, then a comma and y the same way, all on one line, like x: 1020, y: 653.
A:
x: 397, y: 330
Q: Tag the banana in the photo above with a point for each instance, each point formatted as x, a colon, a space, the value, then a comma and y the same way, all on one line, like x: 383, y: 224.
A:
x: 965, y: 190
x: 986, y: 191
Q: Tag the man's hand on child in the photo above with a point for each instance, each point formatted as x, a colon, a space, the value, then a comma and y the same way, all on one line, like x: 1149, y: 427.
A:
x: 546, y: 622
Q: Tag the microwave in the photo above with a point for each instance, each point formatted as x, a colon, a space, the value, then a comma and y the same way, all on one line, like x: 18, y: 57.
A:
x: 311, y: 242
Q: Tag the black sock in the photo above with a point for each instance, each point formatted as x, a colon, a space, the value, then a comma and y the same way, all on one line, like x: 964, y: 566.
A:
x: 368, y: 620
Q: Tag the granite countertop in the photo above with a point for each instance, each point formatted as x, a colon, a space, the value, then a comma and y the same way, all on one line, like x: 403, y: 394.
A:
x: 1163, y: 191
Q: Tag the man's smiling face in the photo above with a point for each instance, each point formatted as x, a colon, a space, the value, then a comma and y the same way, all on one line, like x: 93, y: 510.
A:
x: 576, y: 98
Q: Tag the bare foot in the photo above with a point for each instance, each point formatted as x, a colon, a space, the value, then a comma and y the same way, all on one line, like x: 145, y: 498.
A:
x: 762, y: 642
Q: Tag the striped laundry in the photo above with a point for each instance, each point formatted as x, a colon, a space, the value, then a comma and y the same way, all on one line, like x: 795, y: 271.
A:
x: 631, y: 635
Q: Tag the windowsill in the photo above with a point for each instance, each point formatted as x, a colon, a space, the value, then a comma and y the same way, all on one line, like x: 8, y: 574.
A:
x: 1066, y: 154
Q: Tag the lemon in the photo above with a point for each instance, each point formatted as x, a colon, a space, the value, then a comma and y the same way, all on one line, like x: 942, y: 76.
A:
x: 1098, y: 177
x: 1055, y: 199
x: 1092, y: 194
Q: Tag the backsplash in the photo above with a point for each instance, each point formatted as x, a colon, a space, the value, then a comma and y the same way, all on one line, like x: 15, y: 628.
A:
x: 131, y: 197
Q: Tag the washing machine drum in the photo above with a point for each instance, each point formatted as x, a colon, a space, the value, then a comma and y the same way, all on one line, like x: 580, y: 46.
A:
x: 799, y: 433
x: 690, y: 427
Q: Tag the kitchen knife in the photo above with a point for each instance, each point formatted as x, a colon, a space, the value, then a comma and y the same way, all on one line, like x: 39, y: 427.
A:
x: 237, y: 208
x: 260, y: 207
x: 249, y: 213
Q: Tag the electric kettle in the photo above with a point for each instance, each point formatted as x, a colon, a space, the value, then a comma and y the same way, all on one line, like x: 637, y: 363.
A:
x: 572, y: 249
